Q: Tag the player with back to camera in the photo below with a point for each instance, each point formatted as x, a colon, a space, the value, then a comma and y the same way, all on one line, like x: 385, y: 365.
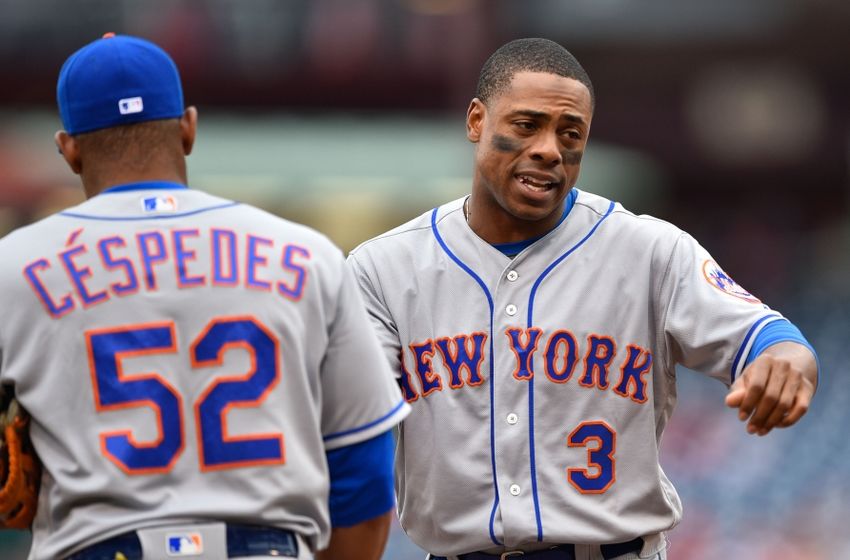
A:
x: 535, y: 329
x: 201, y: 375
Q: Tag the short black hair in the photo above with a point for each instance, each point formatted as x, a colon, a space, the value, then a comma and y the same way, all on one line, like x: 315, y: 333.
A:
x: 528, y: 55
x: 135, y: 144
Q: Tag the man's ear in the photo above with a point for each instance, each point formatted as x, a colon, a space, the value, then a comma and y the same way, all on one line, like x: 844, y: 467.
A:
x: 475, y: 119
x: 70, y: 150
x: 188, y: 128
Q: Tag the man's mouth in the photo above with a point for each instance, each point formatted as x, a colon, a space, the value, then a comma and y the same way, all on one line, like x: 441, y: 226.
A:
x: 537, y: 183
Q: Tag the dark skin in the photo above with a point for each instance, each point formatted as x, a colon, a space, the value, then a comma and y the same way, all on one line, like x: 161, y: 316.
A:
x: 166, y: 161
x: 529, y: 141
x: 365, y: 541
x: 775, y: 391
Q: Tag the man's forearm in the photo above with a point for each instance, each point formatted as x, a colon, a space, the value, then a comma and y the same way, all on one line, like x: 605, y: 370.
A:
x: 364, y: 541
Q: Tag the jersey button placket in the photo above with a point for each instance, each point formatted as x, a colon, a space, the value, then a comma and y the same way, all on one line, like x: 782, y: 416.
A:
x: 511, y: 309
x: 512, y: 418
x: 512, y: 276
x: 514, y: 489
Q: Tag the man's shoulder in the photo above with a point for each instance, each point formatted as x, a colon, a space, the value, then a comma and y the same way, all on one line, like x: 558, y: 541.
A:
x: 411, y: 235
x: 641, y: 225
x: 22, y: 239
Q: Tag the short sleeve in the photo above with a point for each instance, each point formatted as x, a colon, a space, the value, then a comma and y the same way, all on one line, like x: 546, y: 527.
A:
x: 710, y: 321
x: 382, y: 321
x: 360, y: 396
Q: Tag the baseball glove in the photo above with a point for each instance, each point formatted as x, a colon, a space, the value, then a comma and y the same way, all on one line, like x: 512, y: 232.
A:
x: 20, y: 470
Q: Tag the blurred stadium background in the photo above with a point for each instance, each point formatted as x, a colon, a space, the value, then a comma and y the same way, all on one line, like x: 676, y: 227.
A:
x: 730, y: 119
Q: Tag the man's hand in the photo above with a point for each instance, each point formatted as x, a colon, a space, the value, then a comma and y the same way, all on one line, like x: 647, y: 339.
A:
x: 775, y: 390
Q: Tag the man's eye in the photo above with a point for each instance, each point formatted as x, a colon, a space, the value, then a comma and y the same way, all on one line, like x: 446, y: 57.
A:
x: 525, y: 125
x: 572, y: 134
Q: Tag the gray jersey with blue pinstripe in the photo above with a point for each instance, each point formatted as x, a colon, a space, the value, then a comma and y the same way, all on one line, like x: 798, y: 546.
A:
x: 185, y: 358
x: 541, y: 385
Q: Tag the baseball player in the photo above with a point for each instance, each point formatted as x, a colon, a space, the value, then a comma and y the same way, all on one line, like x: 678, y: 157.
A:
x: 202, y: 377
x: 535, y: 329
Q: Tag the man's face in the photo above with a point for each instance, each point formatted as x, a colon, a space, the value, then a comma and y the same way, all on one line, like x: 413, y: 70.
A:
x: 529, y: 143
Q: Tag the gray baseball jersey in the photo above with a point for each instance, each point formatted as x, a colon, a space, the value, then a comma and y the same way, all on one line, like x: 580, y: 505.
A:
x: 185, y: 357
x: 541, y: 385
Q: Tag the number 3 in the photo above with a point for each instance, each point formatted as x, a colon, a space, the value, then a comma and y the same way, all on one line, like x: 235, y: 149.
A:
x: 115, y: 390
x: 601, y: 457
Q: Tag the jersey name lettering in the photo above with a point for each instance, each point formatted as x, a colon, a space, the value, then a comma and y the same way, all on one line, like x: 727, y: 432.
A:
x: 462, y: 356
x: 83, y: 274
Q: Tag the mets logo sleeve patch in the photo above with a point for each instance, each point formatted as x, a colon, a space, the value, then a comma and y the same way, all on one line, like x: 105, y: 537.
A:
x: 715, y: 276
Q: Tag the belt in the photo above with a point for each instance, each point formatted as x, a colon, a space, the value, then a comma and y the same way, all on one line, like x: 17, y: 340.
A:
x: 242, y: 540
x: 560, y: 552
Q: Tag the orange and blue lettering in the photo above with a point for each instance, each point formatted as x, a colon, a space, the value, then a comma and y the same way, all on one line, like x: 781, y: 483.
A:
x: 182, y: 256
x: 151, y: 254
x: 632, y: 383
x: 225, y: 270
x: 218, y: 449
x: 73, y: 237
x: 131, y: 283
x: 429, y: 380
x: 457, y: 355
x: 600, y: 353
x: 55, y: 310
x: 116, y: 390
x: 561, y: 356
x: 79, y: 274
x: 410, y: 394
x: 255, y: 261
x: 295, y: 290
x: 524, y: 352
x: 599, y: 458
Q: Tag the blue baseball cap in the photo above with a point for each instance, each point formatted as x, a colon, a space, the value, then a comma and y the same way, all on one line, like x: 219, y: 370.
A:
x: 117, y: 80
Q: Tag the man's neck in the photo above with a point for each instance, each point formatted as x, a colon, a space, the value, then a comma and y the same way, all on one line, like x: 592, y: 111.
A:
x: 93, y: 186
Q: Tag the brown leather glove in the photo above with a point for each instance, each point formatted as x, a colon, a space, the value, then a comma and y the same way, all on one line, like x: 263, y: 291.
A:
x: 20, y: 469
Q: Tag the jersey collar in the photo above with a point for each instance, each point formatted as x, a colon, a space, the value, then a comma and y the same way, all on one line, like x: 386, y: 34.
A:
x: 517, y: 247
x: 144, y: 186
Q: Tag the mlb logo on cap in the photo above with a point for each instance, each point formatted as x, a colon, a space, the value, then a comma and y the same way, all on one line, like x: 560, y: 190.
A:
x: 131, y: 105
x: 185, y: 544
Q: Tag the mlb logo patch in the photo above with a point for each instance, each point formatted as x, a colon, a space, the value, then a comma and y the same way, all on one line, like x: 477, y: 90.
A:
x: 185, y: 544
x: 161, y: 203
x: 131, y: 105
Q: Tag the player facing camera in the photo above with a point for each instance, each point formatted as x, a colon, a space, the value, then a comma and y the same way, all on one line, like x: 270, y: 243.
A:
x: 488, y: 308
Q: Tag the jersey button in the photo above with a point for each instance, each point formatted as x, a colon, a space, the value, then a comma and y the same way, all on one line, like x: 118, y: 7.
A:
x: 511, y: 310
x: 512, y: 418
x: 514, y: 489
x: 512, y: 275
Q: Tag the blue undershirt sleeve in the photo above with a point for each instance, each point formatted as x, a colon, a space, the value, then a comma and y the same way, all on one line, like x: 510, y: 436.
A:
x: 361, y: 480
x: 781, y: 330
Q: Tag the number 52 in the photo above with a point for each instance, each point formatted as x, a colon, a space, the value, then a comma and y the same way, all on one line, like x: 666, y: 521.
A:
x: 114, y: 390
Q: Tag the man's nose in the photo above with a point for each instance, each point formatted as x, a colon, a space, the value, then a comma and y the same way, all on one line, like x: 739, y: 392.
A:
x: 547, y: 149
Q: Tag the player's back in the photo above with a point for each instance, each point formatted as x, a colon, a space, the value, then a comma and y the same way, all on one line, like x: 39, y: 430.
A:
x: 168, y: 344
